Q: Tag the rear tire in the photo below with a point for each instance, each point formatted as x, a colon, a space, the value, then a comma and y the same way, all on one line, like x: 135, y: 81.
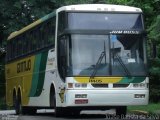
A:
x: 17, y: 104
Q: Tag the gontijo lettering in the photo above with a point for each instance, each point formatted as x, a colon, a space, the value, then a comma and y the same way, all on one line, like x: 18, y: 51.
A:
x: 24, y: 66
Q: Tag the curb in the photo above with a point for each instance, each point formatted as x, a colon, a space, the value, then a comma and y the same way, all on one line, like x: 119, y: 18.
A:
x: 157, y: 112
x: 140, y: 112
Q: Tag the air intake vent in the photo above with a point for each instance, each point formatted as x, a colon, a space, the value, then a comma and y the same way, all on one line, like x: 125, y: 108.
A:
x: 120, y: 85
x: 100, y: 85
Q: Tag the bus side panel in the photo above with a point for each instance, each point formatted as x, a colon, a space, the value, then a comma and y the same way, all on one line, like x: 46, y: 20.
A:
x: 49, y: 75
x: 19, y: 76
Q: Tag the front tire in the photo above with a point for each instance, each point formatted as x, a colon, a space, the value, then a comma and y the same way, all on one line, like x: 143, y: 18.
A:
x: 58, y: 111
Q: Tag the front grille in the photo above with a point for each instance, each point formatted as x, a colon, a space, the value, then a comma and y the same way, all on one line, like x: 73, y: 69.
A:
x: 120, y: 85
x: 100, y: 85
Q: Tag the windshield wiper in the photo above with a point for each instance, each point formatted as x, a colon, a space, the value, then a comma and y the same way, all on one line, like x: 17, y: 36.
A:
x: 123, y: 65
x: 102, y: 55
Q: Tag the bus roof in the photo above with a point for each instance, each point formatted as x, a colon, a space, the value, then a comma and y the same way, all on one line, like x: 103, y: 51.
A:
x: 81, y: 7
x: 99, y: 7
x: 41, y: 20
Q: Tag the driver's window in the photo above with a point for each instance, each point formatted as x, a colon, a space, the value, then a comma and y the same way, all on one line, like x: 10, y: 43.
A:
x: 62, y: 55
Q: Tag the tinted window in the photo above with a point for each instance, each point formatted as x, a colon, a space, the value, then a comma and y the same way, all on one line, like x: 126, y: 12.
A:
x: 104, y: 21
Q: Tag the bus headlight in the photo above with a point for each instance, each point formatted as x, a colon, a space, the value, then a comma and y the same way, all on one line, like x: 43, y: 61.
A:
x: 77, y: 85
x: 139, y: 85
x: 80, y: 85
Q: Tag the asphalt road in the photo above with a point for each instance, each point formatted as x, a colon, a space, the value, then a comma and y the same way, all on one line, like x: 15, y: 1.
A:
x: 49, y: 115
x: 85, y: 115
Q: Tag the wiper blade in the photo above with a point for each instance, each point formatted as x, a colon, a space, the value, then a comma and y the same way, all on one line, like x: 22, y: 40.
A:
x: 97, y: 64
x: 102, y: 55
x: 123, y: 66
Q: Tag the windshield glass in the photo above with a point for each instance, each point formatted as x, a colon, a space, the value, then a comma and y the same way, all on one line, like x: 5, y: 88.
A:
x: 105, y: 21
x: 85, y: 52
x: 127, y: 55
x: 106, y: 55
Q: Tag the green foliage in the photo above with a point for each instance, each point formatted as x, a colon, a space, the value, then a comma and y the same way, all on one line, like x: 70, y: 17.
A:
x: 154, y: 80
x: 151, y: 108
x: 154, y: 30
x: 151, y: 11
x: 2, y: 84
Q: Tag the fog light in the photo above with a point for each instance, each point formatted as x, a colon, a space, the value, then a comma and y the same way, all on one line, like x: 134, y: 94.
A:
x: 80, y: 95
x: 139, y: 96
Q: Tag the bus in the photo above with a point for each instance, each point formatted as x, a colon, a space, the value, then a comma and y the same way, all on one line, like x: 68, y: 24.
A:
x: 79, y: 57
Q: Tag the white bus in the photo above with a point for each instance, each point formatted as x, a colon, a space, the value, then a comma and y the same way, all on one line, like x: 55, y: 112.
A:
x: 80, y: 57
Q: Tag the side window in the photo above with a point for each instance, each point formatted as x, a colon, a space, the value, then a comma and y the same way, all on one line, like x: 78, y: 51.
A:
x: 45, y: 33
x: 19, y: 46
x: 9, y: 50
x: 51, y: 28
x: 27, y: 42
x: 14, y: 48
x: 24, y: 44
x: 33, y: 40
x: 38, y: 37
x: 61, y: 22
x: 62, y: 56
x: 42, y: 38
x: 11, y: 54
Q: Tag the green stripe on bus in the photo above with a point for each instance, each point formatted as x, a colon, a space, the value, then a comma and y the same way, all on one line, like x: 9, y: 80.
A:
x: 41, y: 73
x: 132, y: 80
x: 48, y: 16
x: 35, y: 75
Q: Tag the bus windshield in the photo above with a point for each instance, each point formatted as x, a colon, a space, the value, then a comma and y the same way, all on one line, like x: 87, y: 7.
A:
x: 105, y: 21
x: 106, y: 55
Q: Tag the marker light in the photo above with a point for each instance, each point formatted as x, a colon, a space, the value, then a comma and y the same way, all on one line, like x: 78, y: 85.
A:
x: 70, y: 85
x: 139, y: 85
x: 139, y: 96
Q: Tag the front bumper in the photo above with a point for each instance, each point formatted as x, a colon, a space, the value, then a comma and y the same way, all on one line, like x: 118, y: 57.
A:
x: 106, y: 97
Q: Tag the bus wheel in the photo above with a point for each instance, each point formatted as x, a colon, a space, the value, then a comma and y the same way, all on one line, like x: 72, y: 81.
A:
x: 52, y: 97
x: 58, y: 111
x: 18, y: 106
x: 121, y: 111
x: 15, y: 101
